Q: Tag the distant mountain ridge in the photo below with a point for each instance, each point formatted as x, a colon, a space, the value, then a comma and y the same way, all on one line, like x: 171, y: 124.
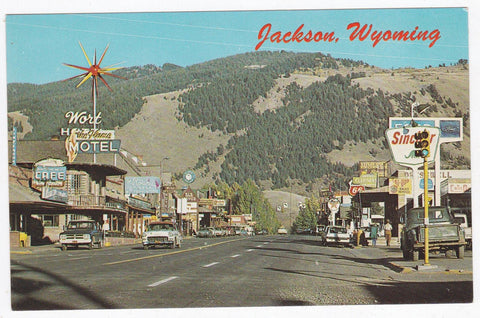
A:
x: 273, y: 117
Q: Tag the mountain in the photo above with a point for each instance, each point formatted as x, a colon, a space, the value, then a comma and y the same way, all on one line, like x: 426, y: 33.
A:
x: 285, y: 120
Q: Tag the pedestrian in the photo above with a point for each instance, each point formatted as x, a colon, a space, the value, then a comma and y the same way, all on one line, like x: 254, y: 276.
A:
x: 374, y: 234
x: 388, y: 232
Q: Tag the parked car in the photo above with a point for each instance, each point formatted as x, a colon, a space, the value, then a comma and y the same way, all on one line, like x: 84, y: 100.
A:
x: 205, y: 232
x: 304, y: 231
x: 81, y: 232
x: 336, y: 235
x: 217, y: 232
x: 161, y: 234
x: 462, y: 220
x: 282, y: 230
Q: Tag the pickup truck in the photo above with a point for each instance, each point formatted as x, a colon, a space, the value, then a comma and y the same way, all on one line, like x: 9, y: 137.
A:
x: 81, y: 232
x: 443, y: 233
x: 461, y: 218
x: 161, y: 233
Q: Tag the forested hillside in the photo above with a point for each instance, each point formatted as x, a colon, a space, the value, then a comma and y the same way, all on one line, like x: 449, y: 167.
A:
x: 346, y: 103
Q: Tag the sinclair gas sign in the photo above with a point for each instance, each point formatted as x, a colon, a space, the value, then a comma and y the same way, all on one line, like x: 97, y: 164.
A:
x: 402, y: 144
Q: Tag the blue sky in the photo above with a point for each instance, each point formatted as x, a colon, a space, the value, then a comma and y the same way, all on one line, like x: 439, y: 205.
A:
x: 37, y: 45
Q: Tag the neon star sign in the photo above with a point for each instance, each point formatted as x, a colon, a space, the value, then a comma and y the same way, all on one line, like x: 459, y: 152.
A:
x: 95, y: 72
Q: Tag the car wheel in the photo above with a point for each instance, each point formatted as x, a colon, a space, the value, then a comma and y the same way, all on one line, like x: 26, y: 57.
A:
x: 460, y: 252
x: 450, y: 254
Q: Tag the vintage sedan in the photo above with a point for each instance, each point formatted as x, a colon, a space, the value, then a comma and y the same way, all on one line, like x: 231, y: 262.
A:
x: 336, y: 235
x: 205, y: 232
x: 161, y: 234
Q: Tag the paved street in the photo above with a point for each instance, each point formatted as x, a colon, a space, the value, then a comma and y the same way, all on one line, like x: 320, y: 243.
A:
x: 233, y: 271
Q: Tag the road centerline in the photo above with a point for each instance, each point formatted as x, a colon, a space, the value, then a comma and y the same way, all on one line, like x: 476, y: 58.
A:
x: 170, y: 253
x: 163, y: 281
x: 211, y: 264
x: 236, y: 255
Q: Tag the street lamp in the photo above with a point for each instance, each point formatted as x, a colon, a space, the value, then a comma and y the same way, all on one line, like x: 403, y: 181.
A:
x: 161, y: 166
x: 162, y: 204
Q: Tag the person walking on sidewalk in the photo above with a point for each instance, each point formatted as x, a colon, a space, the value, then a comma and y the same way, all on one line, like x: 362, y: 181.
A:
x: 374, y: 234
x: 388, y: 232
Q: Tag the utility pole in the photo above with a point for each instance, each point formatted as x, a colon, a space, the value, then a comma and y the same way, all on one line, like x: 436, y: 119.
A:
x: 425, y: 204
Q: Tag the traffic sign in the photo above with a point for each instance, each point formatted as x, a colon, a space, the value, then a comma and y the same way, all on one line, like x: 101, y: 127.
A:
x: 334, y: 205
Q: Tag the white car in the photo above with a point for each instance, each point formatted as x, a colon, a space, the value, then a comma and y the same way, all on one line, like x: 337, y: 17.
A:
x: 163, y: 234
x: 336, y: 235
x: 282, y: 230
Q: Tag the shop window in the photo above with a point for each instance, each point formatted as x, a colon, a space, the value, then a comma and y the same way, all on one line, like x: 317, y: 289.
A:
x: 50, y: 220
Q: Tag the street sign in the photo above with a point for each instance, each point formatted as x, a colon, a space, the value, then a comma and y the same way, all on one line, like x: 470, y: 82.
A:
x: 333, y: 205
x: 189, y: 176
x: 430, y: 184
x: 402, y: 144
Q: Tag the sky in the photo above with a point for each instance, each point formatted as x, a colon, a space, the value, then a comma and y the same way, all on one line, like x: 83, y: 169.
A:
x: 38, y: 44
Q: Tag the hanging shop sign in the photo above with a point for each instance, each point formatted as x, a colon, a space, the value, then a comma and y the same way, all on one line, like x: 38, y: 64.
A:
x: 53, y: 194
x: 51, y: 172
x: 366, y: 180
x: 399, y: 186
x: 137, y: 203
x: 74, y: 146
x: 14, y: 146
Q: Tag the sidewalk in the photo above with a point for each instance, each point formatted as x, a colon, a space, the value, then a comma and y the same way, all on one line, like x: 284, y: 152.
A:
x: 394, y: 242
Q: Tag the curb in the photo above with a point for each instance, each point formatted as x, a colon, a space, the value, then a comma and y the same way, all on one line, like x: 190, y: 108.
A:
x: 399, y: 268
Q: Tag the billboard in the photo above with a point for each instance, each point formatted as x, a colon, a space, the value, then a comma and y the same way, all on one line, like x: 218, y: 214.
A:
x: 142, y: 185
x: 379, y: 167
x: 451, y: 128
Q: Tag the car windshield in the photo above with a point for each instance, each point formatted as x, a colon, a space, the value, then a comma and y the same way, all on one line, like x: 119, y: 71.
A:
x: 158, y: 227
x: 338, y: 230
x: 80, y: 225
x: 434, y: 215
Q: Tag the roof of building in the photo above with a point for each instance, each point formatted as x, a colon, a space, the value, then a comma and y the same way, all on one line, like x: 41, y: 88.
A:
x: 31, y: 151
